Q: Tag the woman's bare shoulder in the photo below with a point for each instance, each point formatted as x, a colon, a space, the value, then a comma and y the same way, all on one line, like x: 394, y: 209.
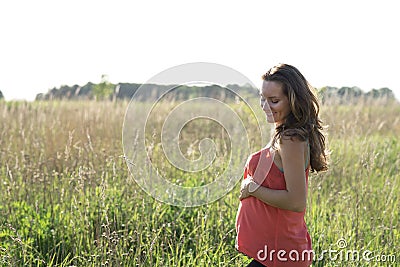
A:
x: 290, y: 146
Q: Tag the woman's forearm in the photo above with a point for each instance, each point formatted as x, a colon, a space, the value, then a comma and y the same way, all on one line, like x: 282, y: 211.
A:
x: 282, y: 199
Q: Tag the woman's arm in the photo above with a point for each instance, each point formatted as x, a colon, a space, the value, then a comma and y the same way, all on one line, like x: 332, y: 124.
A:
x: 294, y: 198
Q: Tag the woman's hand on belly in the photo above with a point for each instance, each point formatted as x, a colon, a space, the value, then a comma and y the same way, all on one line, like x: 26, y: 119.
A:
x: 247, y: 187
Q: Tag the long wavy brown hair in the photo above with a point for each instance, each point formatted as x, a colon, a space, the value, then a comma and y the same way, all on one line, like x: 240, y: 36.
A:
x: 303, y: 121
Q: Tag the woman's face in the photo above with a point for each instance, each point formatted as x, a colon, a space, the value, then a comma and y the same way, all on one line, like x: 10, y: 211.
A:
x: 274, y: 102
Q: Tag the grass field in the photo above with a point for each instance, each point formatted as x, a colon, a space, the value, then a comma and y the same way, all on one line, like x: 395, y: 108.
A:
x: 67, y: 198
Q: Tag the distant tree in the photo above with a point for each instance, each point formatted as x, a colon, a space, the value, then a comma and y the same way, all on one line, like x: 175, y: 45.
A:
x: 349, y: 92
x: 40, y: 97
x: 1, y: 95
x: 381, y: 93
x: 327, y: 92
x: 104, y: 89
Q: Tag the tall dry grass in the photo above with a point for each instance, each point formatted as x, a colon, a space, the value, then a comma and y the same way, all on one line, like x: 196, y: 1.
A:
x: 67, y: 199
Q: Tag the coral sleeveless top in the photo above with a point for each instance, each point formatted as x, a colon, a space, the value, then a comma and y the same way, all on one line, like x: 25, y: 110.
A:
x: 272, y: 236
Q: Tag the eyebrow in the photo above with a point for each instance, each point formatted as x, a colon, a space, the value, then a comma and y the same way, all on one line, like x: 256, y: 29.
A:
x: 269, y: 96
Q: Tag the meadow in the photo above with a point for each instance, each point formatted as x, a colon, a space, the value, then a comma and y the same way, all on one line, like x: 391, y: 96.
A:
x: 67, y: 197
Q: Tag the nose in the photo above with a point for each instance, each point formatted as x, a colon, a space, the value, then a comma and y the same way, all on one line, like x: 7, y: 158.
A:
x: 266, y: 107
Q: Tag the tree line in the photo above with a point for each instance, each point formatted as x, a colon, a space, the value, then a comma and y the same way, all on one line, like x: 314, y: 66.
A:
x: 350, y: 95
x: 109, y: 91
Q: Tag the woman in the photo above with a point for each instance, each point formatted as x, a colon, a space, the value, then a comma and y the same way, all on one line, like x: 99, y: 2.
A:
x: 270, y: 221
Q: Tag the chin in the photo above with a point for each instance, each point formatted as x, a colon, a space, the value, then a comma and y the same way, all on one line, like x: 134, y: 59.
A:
x: 270, y: 120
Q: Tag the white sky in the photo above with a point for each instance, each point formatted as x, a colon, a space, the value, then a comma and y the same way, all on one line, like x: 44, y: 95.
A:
x: 46, y: 44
